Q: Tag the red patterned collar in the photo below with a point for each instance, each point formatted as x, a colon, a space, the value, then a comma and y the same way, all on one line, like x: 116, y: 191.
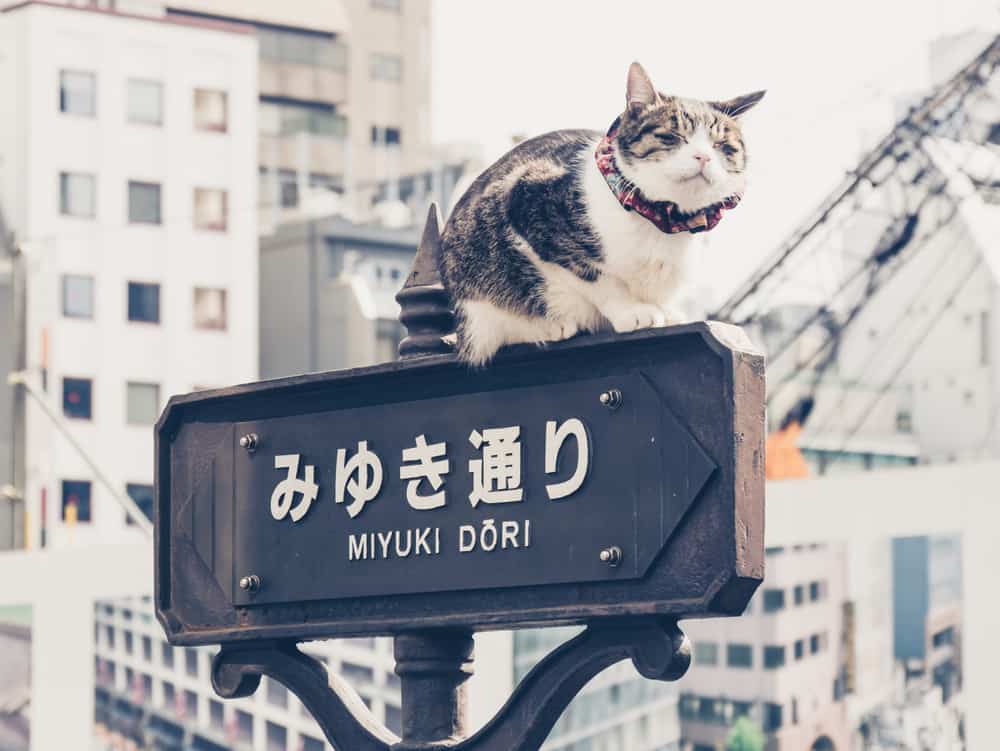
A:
x: 665, y: 215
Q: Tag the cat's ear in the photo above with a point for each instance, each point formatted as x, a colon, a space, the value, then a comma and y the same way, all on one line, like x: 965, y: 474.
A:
x: 640, y: 92
x: 738, y: 105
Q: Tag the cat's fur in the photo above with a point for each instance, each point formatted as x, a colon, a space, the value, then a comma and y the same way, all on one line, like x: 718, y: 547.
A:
x: 539, y: 248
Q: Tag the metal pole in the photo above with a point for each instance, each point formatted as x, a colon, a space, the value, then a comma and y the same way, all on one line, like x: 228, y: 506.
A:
x: 432, y: 665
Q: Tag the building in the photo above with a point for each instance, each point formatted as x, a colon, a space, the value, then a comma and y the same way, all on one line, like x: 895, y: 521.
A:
x: 781, y: 664
x: 327, y: 295
x: 344, y: 98
x: 128, y: 176
x: 160, y: 696
x: 927, y: 609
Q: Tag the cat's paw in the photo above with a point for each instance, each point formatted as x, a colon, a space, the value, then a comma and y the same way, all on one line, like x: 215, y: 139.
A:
x: 557, y: 331
x: 673, y: 316
x: 632, y: 316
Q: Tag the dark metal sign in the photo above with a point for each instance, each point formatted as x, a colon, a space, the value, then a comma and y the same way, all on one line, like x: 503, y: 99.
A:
x: 604, y: 476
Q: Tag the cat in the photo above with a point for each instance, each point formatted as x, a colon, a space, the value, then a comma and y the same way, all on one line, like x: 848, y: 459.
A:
x: 574, y: 232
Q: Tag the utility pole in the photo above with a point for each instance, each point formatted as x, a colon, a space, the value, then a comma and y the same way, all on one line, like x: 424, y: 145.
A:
x: 12, y: 491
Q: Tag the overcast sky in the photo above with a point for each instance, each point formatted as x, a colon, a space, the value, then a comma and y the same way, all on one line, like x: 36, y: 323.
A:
x: 529, y: 66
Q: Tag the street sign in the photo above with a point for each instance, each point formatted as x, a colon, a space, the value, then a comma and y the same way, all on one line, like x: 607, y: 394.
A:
x: 604, y: 476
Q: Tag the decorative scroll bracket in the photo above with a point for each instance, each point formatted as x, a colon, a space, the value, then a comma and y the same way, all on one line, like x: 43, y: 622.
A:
x: 657, y: 647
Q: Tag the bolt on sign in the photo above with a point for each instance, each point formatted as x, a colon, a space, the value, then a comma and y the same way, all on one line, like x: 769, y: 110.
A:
x: 605, y: 476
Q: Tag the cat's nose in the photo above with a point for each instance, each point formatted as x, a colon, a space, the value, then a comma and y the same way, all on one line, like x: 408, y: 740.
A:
x: 702, y: 158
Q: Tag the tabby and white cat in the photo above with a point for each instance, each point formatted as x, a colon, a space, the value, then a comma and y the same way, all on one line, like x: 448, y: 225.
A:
x: 574, y: 231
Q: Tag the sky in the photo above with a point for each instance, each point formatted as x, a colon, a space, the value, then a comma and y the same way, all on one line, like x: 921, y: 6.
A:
x: 832, y: 70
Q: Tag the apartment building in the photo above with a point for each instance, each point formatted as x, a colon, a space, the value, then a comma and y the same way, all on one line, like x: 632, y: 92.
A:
x: 154, y: 695
x: 344, y: 98
x: 128, y: 175
x: 781, y: 664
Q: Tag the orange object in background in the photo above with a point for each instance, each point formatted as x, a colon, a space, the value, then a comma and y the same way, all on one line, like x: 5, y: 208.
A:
x: 783, y: 459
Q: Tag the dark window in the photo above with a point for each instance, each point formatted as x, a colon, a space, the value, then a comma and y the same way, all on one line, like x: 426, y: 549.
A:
x: 277, y: 694
x: 707, y: 709
x: 357, y: 675
x: 129, y: 642
x: 817, y: 643
x: 795, y: 711
x: 144, y: 302
x: 147, y: 649
x: 277, y: 737
x: 77, y: 93
x: 191, y: 706
x: 169, y: 695
x: 800, y: 649
x: 739, y: 655
x: 109, y: 632
x: 815, y: 591
x: 168, y: 655
x: 772, y: 717
x: 742, y: 709
x: 393, y: 719
x: 78, y: 296
x: 216, y: 715
x: 76, y: 500
x: 774, y: 657
x: 800, y: 594
x: 191, y: 662
x: 76, y: 398
x: 142, y: 495
x: 386, y: 136
x: 774, y: 599
x: 147, y: 688
x: 706, y: 653
x: 143, y: 202
x: 244, y: 726
x: 984, y: 338
x: 314, y: 744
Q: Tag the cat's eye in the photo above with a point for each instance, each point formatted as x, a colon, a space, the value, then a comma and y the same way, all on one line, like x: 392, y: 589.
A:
x: 669, y: 139
x: 727, y: 149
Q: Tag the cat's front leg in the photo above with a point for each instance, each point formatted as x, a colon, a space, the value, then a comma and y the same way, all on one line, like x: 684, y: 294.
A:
x: 673, y: 316
x: 630, y: 315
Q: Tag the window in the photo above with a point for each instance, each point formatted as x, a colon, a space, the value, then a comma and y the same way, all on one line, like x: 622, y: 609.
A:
x: 78, y: 296
x: 774, y: 657
x: 795, y: 711
x: 76, y: 398
x: 147, y: 649
x: 129, y: 643
x: 984, y: 338
x: 394, y: 5
x: 191, y: 706
x: 147, y: 687
x: 210, y: 209
x: 142, y: 496
x: 142, y: 403
x: 816, y: 643
x: 244, y: 727
x: 77, y: 195
x: 299, y: 48
x: 706, y: 653
x: 209, y: 308
x: 772, y: 717
x: 386, y: 67
x: 109, y: 632
x: 77, y: 93
x: 169, y: 695
x: 285, y: 119
x: 904, y: 421
x: 277, y: 737
x: 191, y: 662
x: 145, y: 101
x: 211, y: 110
x: 386, y: 136
x: 774, y: 599
x: 800, y: 594
x: 143, y: 202
x: 216, y: 715
x: 357, y: 675
x: 277, y: 694
x: 168, y: 655
x: 739, y: 655
x: 144, y: 302
x: 393, y: 719
x: 314, y: 744
x: 816, y: 591
x: 800, y: 649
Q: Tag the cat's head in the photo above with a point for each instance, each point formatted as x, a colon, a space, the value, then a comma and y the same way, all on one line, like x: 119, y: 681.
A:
x: 685, y: 151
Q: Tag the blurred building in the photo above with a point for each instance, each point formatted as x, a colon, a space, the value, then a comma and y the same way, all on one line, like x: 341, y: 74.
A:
x: 129, y: 180
x: 344, y: 98
x: 927, y: 609
x: 782, y: 664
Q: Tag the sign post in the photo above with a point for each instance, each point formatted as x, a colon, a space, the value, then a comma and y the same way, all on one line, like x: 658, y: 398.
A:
x: 613, y: 481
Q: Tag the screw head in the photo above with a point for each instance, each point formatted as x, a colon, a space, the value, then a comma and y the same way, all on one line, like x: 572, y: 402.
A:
x: 250, y: 583
x: 612, y: 398
x: 611, y: 556
x: 249, y: 441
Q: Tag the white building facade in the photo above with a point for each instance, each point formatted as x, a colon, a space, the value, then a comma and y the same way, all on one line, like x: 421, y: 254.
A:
x: 128, y: 171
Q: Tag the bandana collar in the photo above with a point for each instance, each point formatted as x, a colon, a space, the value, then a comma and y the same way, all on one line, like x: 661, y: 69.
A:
x: 665, y: 215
